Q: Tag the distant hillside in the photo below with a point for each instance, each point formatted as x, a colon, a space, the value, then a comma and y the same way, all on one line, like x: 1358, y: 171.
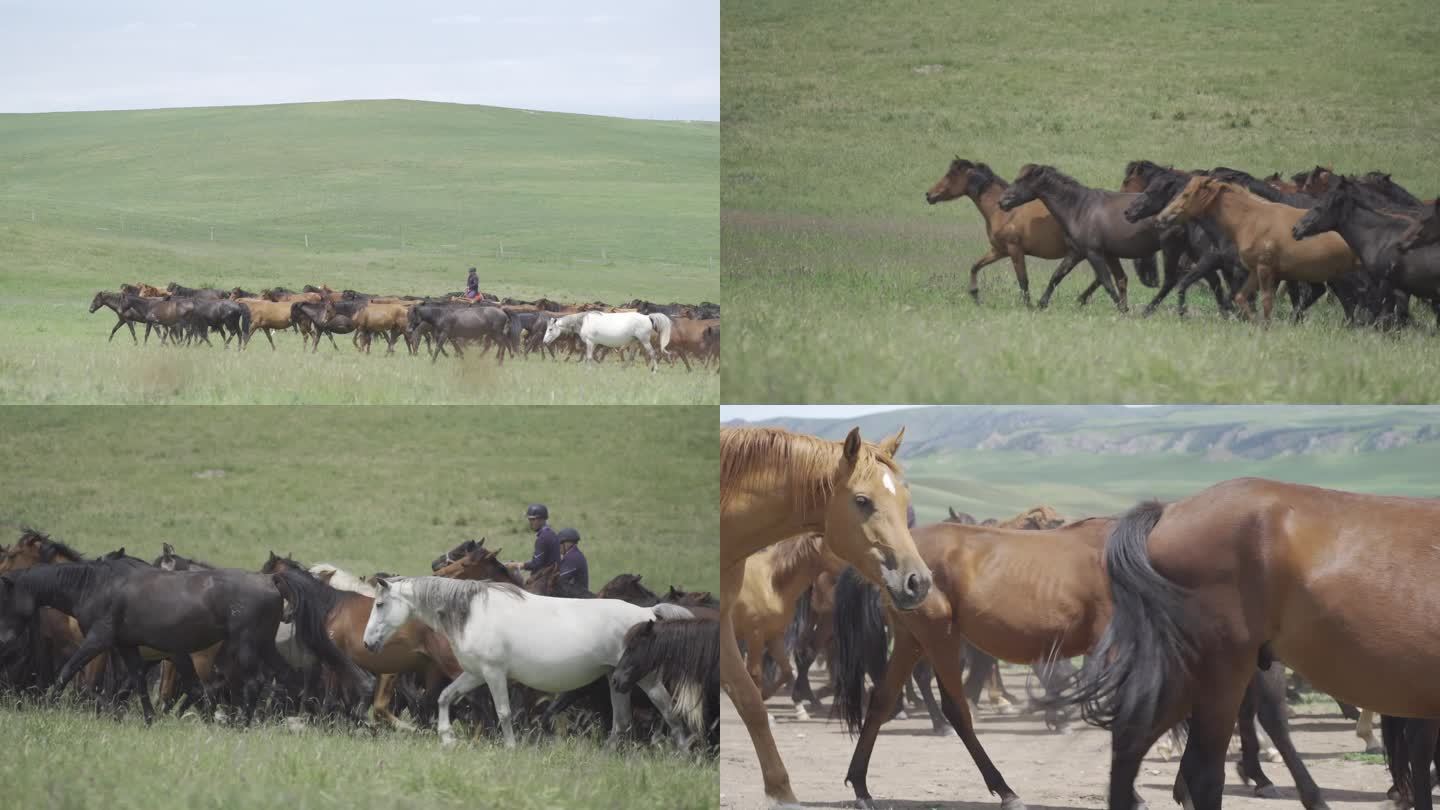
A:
x: 395, y: 195
x: 997, y: 461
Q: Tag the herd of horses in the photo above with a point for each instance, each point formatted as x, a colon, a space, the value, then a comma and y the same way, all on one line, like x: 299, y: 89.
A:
x: 187, y: 314
x: 318, y: 644
x: 1368, y: 241
x: 1187, y: 613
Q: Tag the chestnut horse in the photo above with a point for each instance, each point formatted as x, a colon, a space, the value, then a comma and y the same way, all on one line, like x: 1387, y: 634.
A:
x: 1261, y: 231
x: 1249, y: 571
x: 1028, y: 230
x: 776, y: 484
x: 987, y: 579
x: 775, y: 578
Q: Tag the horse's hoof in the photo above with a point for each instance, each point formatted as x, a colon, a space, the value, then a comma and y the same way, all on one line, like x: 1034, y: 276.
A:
x: 1266, y: 792
x: 447, y: 741
x: 1273, y: 755
x: 1064, y: 729
x: 1374, y: 749
x: 901, y: 715
x: 1141, y: 804
x: 864, y: 804
x: 801, y: 713
x: 1012, y: 803
x: 945, y: 731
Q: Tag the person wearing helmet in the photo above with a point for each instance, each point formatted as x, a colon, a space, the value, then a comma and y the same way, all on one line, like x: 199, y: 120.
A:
x: 547, y: 545
x: 472, y: 285
x: 572, y: 562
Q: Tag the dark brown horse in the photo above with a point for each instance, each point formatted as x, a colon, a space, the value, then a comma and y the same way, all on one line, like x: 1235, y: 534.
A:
x: 1095, y: 225
x: 1426, y: 231
x: 1251, y: 571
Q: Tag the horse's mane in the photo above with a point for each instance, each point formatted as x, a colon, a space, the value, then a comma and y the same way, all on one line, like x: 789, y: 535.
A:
x: 675, y: 596
x: 982, y: 174
x: 1146, y: 168
x: 1380, y: 183
x: 800, y: 465
x: 628, y: 579
x: 791, y: 553
x: 678, y: 649
x: 78, y: 577
x: 342, y: 580
x: 1059, y: 175
x: 50, y: 548
x: 450, y: 599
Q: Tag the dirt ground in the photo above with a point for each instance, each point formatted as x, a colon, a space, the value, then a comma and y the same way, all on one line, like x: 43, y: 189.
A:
x: 912, y: 768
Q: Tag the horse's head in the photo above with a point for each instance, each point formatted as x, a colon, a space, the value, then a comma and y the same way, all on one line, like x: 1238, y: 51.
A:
x: 556, y: 327
x: 1026, y: 187
x: 865, y: 520
x: 1316, y: 181
x: 1154, y: 197
x: 624, y: 676
x: 1192, y: 201
x: 956, y: 182
x: 391, y: 610
x: 1425, y: 230
x: 1327, y: 215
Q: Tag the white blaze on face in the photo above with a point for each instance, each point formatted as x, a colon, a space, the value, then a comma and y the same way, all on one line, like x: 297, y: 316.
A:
x: 889, y: 483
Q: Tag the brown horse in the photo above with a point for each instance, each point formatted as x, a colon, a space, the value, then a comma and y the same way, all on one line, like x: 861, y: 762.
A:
x: 1028, y: 230
x: 1253, y: 570
x: 267, y: 316
x: 387, y: 319
x: 479, y: 564
x: 58, y: 635
x: 776, y: 484
x: 1261, y: 231
x: 775, y: 578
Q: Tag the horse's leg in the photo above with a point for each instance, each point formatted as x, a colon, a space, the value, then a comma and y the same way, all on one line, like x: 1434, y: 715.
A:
x: 500, y: 693
x: 745, y: 695
x: 1206, y: 268
x: 1422, y: 752
x: 119, y: 324
x: 1022, y: 277
x: 98, y: 640
x: 462, y: 685
x: 1171, y: 277
x: 991, y: 256
x: 660, y: 697
x: 1365, y: 730
x: 1066, y: 265
x: 957, y: 711
x: 1248, y: 768
x: 1121, y: 282
x: 380, y: 705
x: 136, y: 665
x: 1309, y: 294
x: 1242, y: 298
x: 882, y: 703
x: 1217, y: 696
x: 650, y: 352
x: 923, y: 675
x: 1270, y: 705
x: 775, y: 645
x: 1268, y: 283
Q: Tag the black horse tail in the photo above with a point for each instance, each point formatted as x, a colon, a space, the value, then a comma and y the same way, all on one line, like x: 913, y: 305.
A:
x: 1142, y: 658
x: 861, y: 645
x: 312, y: 601
x: 1395, y: 733
x: 244, y: 323
x: 1146, y: 270
x: 798, y: 634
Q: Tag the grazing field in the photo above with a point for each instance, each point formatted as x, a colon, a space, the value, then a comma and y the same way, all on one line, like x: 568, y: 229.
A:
x: 844, y: 286
x: 384, y: 197
x: 367, y: 489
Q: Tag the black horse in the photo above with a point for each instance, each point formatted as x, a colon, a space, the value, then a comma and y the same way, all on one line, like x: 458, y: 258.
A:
x: 123, y: 606
x: 196, y: 292
x: 1211, y: 252
x: 327, y: 318
x: 1373, y: 220
x: 1094, y: 225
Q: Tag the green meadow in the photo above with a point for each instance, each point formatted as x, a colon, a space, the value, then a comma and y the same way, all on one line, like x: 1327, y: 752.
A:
x: 385, y: 197
x: 844, y: 286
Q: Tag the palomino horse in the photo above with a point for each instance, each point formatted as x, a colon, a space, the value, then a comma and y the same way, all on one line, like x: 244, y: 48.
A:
x: 1094, y: 225
x: 776, y: 484
x: 775, y: 578
x: 501, y: 633
x: 986, y: 596
x: 614, y: 329
x: 1261, y: 231
x: 1252, y: 570
x: 1027, y: 230
x: 387, y: 319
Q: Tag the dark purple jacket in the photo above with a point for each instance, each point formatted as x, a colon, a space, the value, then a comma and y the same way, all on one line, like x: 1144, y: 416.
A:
x: 574, y: 568
x: 547, y: 549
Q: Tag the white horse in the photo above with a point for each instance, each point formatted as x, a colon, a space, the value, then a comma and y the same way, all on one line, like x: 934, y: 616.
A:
x: 501, y: 633
x: 614, y: 329
x: 340, y: 579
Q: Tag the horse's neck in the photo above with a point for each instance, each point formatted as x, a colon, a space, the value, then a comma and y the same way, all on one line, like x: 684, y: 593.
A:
x: 1232, y: 209
x: 1065, y: 202
x: 1370, y: 234
x: 49, y: 592
x: 988, y: 203
x: 765, y: 519
x: 790, y: 583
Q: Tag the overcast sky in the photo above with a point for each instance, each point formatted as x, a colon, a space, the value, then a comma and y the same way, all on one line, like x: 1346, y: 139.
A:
x: 632, y: 59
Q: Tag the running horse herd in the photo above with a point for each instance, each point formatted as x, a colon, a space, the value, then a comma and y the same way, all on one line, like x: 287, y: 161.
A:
x: 1367, y: 240
x: 1187, y: 614
x: 319, y: 643
x: 179, y: 313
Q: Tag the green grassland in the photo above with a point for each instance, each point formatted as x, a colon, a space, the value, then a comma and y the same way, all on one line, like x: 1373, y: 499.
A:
x: 366, y: 489
x: 393, y: 197
x: 844, y: 286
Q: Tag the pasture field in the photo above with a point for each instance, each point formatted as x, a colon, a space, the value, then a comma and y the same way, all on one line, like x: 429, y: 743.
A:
x: 392, y: 197
x: 844, y: 286
x: 367, y: 489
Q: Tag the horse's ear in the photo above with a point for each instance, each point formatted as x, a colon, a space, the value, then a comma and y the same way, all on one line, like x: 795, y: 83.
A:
x: 169, y: 549
x: 273, y: 556
x: 382, y: 583
x: 120, y: 552
x: 482, y: 542
x: 851, y: 451
x: 952, y: 512
x: 891, y: 444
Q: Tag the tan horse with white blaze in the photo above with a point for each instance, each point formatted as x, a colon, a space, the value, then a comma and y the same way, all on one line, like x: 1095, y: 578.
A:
x: 776, y: 484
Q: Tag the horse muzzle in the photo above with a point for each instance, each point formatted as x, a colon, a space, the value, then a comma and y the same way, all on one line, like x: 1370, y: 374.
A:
x: 907, y: 588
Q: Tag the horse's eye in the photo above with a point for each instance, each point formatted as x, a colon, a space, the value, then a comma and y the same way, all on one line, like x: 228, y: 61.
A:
x: 862, y: 501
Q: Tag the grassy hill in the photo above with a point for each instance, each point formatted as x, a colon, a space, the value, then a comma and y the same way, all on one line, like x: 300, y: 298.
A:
x: 1102, y: 459
x: 393, y: 196
x: 837, y: 118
